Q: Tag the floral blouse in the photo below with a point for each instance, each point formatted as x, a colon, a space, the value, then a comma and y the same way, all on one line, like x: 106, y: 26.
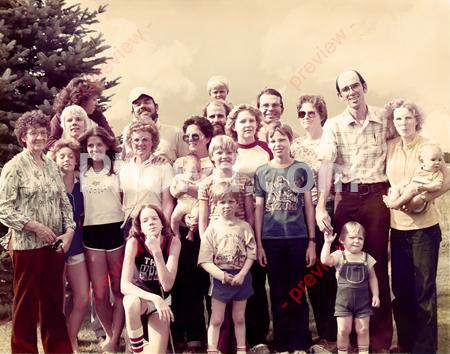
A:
x: 28, y: 192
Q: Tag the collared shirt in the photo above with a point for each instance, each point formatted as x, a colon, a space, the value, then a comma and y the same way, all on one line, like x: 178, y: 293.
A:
x: 171, y: 142
x: 143, y: 184
x: 401, y: 164
x: 359, y: 151
x: 29, y: 192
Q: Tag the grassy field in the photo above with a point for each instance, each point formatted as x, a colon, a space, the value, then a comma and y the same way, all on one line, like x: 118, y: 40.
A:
x: 88, y: 343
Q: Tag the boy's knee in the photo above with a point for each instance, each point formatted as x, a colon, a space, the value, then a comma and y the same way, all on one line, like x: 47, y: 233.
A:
x: 362, y: 330
x: 131, y: 302
x: 216, y: 321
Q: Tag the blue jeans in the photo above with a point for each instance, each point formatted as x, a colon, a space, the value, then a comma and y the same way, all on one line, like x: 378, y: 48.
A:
x: 286, y: 267
x: 414, y: 257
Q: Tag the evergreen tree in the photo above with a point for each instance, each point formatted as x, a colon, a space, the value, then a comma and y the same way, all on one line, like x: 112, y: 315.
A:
x: 43, y: 45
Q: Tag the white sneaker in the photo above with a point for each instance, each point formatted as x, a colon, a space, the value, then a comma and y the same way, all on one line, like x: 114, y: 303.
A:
x: 260, y: 349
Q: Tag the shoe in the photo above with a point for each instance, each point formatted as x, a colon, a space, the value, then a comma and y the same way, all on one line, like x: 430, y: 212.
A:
x: 324, y: 346
x: 299, y: 352
x: 260, y: 349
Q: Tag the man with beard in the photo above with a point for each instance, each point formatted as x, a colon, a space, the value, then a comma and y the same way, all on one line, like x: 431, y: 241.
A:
x: 144, y: 108
x: 353, y: 144
x: 216, y: 112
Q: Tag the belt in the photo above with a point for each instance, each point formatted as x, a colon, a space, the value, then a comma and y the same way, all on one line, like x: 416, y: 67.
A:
x: 361, y: 188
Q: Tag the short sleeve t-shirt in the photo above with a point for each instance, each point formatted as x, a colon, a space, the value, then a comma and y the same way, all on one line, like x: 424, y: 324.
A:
x: 339, y: 258
x: 282, y: 190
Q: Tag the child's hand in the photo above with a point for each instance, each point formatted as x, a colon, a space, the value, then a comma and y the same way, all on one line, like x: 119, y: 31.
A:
x: 227, y: 278
x: 375, y: 301
x: 238, y: 279
x: 329, y: 238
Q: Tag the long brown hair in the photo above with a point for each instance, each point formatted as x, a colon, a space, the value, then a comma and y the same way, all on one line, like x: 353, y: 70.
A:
x: 136, y: 230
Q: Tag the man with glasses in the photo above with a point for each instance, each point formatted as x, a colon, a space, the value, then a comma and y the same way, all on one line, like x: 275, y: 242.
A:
x: 353, y: 147
x: 270, y: 103
x: 144, y: 107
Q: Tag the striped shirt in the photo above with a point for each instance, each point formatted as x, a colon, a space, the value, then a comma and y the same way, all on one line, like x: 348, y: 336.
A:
x: 359, y: 151
x: 28, y: 192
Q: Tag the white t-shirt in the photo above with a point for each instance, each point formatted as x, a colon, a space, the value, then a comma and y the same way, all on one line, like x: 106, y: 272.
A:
x: 101, y: 194
x: 143, y: 184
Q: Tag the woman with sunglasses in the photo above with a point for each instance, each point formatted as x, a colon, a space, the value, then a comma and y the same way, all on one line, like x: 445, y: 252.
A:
x: 312, y: 114
x: 83, y: 93
x: 192, y: 281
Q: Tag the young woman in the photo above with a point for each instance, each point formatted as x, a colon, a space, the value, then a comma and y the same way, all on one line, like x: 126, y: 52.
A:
x: 149, y: 271
x: 102, y: 235
x: 66, y: 153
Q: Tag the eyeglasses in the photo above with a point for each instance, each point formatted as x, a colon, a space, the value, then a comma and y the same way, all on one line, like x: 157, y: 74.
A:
x: 353, y: 87
x: 192, y: 137
x: 303, y: 114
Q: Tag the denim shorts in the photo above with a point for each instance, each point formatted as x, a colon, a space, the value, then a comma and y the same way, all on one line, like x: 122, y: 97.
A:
x: 227, y: 293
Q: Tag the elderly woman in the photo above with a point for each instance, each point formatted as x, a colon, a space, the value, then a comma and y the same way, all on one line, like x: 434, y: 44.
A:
x: 192, y: 282
x: 312, y: 114
x: 83, y: 93
x: 415, y: 237
x: 144, y: 181
x: 35, y: 207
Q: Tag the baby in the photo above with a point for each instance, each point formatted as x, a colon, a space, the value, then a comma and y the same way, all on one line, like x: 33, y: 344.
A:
x: 427, y: 178
x: 218, y: 88
x: 186, y: 204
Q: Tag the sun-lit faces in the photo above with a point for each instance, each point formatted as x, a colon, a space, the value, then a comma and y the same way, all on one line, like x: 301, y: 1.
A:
x: 308, y: 116
x: 353, y: 242
x: 65, y: 159
x: 218, y: 92
x: 141, y: 144
x: 35, y: 138
x: 351, y: 90
x: 96, y: 148
x: 405, y: 123
x: 227, y: 206
x: 194, y: 144
x: 270, y: 107
x: 245, y: 127
x: 216, y: 114
x: 145, y: 108
x: 223, y: 158
x: 150, y: 223
x: 280, y: 145
x: 75, y: 125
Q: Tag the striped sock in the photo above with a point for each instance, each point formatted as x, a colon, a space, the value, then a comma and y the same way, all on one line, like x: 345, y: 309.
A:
x: 241, y: 350
x: 136, y: 337
x: 342, y: 350
x: 363, y: 349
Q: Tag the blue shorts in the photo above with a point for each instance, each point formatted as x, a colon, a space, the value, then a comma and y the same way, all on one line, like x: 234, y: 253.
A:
x: 227, y: 293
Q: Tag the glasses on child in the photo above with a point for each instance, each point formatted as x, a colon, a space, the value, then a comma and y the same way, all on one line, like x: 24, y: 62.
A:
x: 192, y: 137
x: 303, y: 114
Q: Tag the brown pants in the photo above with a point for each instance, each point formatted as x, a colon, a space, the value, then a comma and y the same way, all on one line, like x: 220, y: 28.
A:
x: 38, y: 298
x: 370, y: 211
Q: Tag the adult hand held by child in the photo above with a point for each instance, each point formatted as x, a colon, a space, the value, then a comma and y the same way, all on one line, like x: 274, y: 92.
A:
x: 375, y: 301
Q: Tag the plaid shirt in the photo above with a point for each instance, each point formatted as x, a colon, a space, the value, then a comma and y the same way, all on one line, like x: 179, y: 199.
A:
x: 359, y: 152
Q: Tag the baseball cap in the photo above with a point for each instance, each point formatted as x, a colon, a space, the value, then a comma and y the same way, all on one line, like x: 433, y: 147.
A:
x: 138, y: 92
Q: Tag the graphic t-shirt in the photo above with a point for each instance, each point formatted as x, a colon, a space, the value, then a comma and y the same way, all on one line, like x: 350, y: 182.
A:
x: 282, y: 190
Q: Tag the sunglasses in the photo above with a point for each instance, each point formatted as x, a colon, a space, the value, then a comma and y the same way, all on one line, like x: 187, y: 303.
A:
x: 302, y: 114
x: 192, y: 137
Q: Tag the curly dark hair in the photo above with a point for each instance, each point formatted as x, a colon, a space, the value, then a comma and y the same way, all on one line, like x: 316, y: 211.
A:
x: 32, y: 119
x: 203, y: 124
x: 108, y: 140
x: 136, y: 230
x: 77, y: 91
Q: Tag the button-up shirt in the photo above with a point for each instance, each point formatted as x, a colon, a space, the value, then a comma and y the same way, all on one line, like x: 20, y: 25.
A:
x: 359, y: 151
x: 29, y: 192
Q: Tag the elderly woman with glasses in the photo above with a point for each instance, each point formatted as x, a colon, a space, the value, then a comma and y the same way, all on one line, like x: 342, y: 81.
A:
x: 312, y: 115
x: 35, y: 207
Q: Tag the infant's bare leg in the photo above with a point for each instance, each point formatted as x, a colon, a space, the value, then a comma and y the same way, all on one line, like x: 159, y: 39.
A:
x: 175, y: 220
x: 194, y: 217
x: 409, y: 191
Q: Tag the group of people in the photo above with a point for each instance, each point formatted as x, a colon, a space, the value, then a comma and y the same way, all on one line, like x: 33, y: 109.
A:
x: 176, y: 230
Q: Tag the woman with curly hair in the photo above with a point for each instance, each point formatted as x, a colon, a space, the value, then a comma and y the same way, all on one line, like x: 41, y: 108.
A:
x: 102, y: 235
x: 415, y: 235
x: 35, y: 208
x: 142, y: 178
x: 83, y: 93
x: 149, y: 270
